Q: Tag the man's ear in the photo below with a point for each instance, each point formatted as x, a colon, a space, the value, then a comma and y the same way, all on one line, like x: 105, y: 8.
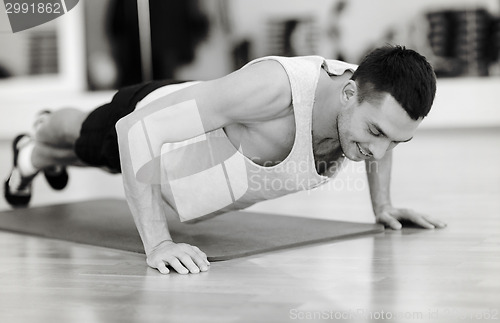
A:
x: 349, y: 91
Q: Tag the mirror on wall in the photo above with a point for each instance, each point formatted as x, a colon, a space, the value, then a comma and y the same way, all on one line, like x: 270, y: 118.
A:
x: 461, y: 38
x: 48, y: 57
x: 96, y: 46
x: 32, y: 52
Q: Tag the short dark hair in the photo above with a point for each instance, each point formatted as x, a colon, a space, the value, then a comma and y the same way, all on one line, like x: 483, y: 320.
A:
x: 401, y: 72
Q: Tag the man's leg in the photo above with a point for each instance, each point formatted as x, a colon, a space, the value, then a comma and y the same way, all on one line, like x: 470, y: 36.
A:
x: 51, y: 149
x: 55, y: 136
x: 72, y: 137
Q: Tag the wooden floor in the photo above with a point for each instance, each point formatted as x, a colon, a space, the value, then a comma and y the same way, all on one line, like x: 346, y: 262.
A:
x: 450, y: 275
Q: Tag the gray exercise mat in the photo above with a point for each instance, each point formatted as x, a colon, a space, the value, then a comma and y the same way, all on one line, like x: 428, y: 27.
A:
x: 109, y: 223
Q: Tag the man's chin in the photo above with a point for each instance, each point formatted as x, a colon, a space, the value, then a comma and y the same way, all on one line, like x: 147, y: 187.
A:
x: 356, y: 158
x: 352, y: 154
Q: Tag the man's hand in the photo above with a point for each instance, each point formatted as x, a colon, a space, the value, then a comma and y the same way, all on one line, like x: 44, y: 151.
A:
x: 391, y: 217
x: 182, y: 257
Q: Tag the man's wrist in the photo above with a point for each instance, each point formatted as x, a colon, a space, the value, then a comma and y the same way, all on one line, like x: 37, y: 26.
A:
x: 150, y: 248
x: 380, y: 207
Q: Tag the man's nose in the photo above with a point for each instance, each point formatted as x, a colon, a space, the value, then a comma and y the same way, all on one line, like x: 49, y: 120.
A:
x: 379, y: 148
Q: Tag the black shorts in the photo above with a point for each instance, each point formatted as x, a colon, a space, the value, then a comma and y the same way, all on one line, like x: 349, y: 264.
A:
x: 98, y: 142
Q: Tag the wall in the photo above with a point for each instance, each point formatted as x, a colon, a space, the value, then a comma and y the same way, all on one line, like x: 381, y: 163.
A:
x: 465, y: 102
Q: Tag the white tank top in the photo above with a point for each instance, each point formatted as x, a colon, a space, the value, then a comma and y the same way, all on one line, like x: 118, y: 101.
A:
x: 206, y: 175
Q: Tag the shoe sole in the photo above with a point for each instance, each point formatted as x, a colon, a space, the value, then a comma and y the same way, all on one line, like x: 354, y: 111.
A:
x: 15, y: 200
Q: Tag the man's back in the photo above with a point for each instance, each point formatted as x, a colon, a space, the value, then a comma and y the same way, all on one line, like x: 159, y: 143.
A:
x: 266, y: 151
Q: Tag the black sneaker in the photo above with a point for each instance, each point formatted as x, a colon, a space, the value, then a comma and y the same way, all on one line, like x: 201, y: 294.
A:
x: 17, y: 188
x: 57, y: 177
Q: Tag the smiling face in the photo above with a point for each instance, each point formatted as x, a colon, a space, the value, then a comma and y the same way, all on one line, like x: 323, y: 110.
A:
x: 370, y: 129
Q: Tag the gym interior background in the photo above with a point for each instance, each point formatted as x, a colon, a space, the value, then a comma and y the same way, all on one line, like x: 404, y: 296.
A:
x: 81, y: 58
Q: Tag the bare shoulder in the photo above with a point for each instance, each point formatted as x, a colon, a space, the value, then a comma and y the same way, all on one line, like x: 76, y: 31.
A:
x: 258, y: 92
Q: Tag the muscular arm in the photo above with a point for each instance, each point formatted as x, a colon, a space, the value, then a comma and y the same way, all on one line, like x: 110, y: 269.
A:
x: 379, y: 181
x: 379, y: 178
x: 257, y: 93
